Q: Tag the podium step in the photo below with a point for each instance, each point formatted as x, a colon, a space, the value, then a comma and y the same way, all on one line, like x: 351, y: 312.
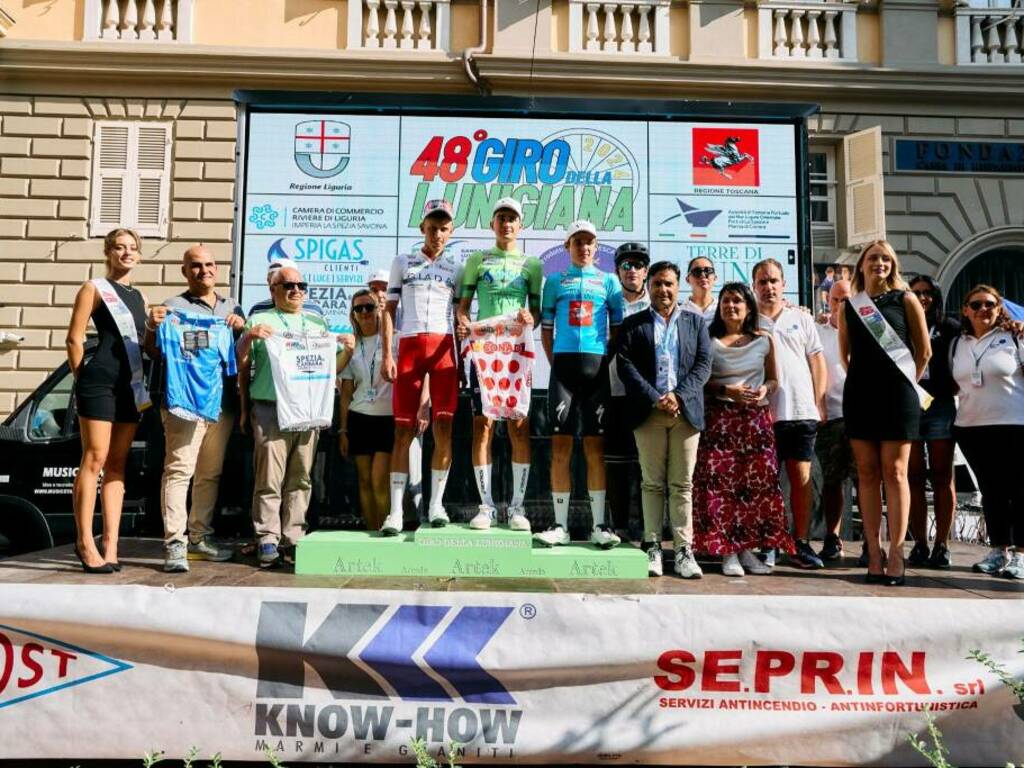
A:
x: 461, y: 552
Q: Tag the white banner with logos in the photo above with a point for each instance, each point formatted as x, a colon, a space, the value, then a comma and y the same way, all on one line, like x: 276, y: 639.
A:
x: 321, y: 675
x: 342, y: 193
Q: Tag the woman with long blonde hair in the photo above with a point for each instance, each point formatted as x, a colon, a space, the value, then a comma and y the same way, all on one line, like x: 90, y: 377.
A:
x: 881, y: 407
x: 109, y: 392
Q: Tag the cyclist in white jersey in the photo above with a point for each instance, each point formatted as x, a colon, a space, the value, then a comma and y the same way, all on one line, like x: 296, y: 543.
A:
x: 426, y: 284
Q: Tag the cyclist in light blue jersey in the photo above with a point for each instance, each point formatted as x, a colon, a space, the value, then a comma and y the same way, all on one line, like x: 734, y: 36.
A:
x: 580, y: 308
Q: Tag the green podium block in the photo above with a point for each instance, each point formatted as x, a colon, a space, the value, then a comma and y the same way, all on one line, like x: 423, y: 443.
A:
x: 457, y: 551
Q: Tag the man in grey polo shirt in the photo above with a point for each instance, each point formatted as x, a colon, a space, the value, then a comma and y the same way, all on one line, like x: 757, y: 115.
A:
x: 194, y: 450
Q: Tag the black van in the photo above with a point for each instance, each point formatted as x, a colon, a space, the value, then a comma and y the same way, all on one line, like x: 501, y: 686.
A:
x: 40, y: 451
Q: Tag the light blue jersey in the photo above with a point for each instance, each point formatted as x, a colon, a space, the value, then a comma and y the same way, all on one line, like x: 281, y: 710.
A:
x: 198, y: 350
x: 580, y: 303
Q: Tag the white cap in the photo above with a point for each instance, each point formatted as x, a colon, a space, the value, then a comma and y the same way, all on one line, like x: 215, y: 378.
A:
x: 380, y: 276
x: 508, y: 204
x: 582, y: 225
x: 277, y: 264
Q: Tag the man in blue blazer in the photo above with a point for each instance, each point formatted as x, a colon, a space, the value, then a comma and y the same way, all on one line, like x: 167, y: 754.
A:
x: 664, y: 356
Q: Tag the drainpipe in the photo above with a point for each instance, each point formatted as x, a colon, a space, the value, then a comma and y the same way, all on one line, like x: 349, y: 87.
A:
x: 467, y: 55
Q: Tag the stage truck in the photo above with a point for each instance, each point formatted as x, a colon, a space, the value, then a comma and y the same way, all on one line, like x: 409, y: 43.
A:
x: 337, y: 184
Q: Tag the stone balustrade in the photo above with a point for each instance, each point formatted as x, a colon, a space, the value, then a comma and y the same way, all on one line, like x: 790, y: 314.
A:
x: 989, y: 35
x: 807, y: 30
x: 636, y: 27
x: 138, y: 20
x: 399, y: 25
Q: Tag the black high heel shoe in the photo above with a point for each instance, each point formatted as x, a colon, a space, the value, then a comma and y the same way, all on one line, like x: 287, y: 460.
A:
x: 897, y: 581
x: 876, y: 578
x: 105, y: 568
x: 115, y: 565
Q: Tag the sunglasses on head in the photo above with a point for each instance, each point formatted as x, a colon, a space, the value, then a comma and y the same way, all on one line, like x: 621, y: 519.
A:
x: 981, y: 304
x: 291, y: 286
x: 364, y: 308
x: 702, y: 271
x: 628, y: 265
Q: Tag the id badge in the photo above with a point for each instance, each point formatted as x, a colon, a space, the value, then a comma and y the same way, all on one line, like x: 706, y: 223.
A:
x: 977, y: 379
x: 371, y: 394
x: 664, y: 364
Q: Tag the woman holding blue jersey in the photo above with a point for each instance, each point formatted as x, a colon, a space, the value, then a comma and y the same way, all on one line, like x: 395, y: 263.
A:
x: 580, y: 311
x: 110, y: 392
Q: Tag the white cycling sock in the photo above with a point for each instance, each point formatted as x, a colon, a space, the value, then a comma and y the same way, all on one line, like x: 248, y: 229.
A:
x: 597, y: 506
x: 398, y: 481
x: 483, y: 484
x: 520, y: 478
x: 438, y: 480
x: 561, y: 508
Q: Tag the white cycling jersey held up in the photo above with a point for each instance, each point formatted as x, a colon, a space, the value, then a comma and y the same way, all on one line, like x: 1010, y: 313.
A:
x: 303, y: 367
x: 426, y: 290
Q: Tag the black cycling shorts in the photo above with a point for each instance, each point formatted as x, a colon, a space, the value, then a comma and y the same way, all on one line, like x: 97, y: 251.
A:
x: 578, y: 394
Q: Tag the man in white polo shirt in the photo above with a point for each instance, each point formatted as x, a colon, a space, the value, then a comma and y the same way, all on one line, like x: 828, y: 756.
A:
x: 798, y: 405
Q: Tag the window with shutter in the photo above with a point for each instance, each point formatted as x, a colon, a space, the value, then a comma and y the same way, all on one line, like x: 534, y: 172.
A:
x: 863, y: 189
x: 131, y: 177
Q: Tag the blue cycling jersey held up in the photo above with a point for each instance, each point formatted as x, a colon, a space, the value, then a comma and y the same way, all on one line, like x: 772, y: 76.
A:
x: 580, y: 303
x: 198, y: 350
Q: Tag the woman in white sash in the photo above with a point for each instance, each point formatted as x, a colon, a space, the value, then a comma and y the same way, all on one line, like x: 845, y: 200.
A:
x: 110, y: 392
x: 881, y: 404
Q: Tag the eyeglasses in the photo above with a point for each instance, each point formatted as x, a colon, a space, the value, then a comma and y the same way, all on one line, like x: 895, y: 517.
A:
x: 360, y: 308
x: 628, y: 265
x: 979, y: 304
x: 290, y: 286
x: 702, y: 271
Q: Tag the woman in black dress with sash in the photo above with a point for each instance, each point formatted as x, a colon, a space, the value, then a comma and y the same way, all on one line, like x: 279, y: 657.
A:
x: 107, y: 403
x: 880, y: 406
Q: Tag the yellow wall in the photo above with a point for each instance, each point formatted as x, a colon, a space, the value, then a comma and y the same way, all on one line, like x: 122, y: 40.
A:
x: 947, y: 40
x: 306, y: 24
x: 560, y: 26
x: 466, y: 25
x: 679, y: 44
x: 869, y: 49
x: 48, y: 20
x: 750, y: 32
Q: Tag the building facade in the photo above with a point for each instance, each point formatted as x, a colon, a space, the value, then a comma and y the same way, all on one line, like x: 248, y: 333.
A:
x: 124, y: 113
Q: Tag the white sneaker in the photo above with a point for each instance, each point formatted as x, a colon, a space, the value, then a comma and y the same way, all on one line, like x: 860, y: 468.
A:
x: 731, y: 566
x: 994, y: 562
x: 769, y: 557
x: 604, y: 537
x: 752, y: 564
x: 1015, y: 568
x: 517, y: 519
x: 655, y: 566
x: 392, y: 524
x: 686, y: 564
x: 437, y: 518
x: 554, y: 536
x: 482, y: 520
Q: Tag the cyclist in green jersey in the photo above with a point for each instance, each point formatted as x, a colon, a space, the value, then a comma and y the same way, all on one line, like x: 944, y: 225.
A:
x: 504, y: 281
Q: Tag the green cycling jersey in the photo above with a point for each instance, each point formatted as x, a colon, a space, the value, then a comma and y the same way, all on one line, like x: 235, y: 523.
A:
x: 503, y: 281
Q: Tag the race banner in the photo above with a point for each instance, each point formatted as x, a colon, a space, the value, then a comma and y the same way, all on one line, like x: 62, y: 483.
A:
x: 502, y: 352
x: 325, y: 675
x: 342, y: 193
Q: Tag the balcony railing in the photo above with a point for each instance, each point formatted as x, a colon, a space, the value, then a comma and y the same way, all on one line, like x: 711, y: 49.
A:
x: 807, y: 30
x: 989, y: 35
x: 409, y: 25
x: 139, y: 20
x: 633, y: 27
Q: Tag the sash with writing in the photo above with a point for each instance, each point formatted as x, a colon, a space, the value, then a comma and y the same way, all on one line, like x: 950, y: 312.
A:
x: 889, y: 341
x: 502, y: 351
x: 125, y: 323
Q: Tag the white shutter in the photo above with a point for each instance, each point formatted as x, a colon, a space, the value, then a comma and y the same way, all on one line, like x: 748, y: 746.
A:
x: 863, y: 187
x: 131, y: 177
x: 154, y: 160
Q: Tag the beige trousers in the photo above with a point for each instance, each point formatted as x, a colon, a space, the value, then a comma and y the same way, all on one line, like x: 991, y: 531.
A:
x: 193, y: 453
x: 283, y: 461
x: 668, y: 452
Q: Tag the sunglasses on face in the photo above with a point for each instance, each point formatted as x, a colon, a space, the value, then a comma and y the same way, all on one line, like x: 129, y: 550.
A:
x: 360, y: 308
x: 290, y: 286
x: 979, y: 304
x: 628, y: 265
x: 702, y: 271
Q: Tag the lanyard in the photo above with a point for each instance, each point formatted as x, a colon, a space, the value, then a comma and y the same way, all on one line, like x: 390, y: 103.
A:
x: 302, y: 318
x: 978, y: 358
x: 372, y: 367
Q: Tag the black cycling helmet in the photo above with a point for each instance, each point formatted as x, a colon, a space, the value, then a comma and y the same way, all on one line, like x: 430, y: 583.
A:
x: 632, y: 251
